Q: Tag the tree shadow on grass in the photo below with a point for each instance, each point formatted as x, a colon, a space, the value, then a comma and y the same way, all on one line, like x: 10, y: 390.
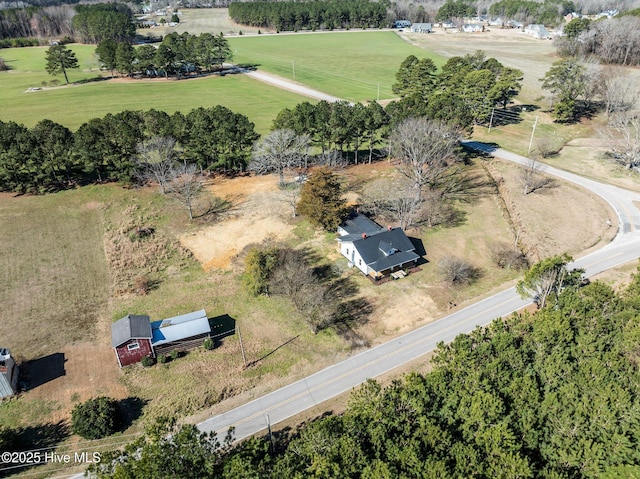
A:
x: 130, y: 410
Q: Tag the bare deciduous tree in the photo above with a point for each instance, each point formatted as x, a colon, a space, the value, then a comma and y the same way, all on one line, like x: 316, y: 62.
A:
x: 532, y: 179
x: 618, y: 92
x: 394, y: 200
x: 279, y: 151
x: 291, y: 196
x: 155, y: 159
x: 624, y: 139
x: 426, y: 149
x: 186, y: 186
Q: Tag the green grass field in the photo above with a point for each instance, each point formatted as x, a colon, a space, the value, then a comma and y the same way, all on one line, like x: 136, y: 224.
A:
x: 73, y: 105
x: 349, y: 65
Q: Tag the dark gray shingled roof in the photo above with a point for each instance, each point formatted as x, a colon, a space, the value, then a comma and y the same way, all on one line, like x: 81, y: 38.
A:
x: 358, y: 224
x: 371, y: 248
x: 130, y: 327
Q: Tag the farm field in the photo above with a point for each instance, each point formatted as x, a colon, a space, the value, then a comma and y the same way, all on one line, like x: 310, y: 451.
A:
x: 72, y: 105
x: 350, y: 65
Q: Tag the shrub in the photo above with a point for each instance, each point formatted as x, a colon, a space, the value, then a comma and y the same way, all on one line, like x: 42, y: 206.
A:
x: 259, y: 265
x: 96, y: 418
x: 162, y: 358
x: 457, y: 271
x: 509, y: 257
x: 147, y: 361
x: 208, y: 344
x: 175, y: 354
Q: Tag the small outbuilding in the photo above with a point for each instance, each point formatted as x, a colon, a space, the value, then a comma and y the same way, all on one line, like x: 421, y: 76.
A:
x: 134, y: 337
x: 8, y: 374
x: 131, y: 339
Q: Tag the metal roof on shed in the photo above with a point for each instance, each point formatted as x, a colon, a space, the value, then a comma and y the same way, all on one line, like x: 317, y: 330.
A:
x: 180, y: 327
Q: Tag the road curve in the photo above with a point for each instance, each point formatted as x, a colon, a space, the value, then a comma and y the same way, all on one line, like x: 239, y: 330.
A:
x: 279, y: 405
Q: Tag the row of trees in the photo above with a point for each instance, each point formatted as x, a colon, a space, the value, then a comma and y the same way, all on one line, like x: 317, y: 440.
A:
x: 615, y: 40
x: 464, y: 92
x: 312, y: 15
x: 178, y: 54
x: 580, y: 89
x: 550, y: 395
x: 43, y: 22
x: 50, y: 157
x: 98, y: 22
x: 549, y: 12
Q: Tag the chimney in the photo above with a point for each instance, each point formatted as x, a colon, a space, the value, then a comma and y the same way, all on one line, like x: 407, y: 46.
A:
x: 389, y: 228
x: 364, y: 235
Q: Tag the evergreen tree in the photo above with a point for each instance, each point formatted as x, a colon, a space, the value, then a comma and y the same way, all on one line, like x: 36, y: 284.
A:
x: 59, y: 60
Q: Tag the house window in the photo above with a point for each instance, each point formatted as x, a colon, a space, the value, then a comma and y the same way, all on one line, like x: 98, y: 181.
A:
x: 359, y: 262
x: 133, y: 346
x: 347, y: 251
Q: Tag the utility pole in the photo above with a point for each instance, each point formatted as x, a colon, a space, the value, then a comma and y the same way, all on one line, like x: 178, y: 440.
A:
x: 244, y: 357
x: 532, y: 133
x: 491, y: 120
x: 270, y: 434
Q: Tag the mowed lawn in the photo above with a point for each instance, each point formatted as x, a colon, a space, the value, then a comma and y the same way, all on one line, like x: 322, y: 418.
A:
x: 350, y: 65
x: 75, y: 104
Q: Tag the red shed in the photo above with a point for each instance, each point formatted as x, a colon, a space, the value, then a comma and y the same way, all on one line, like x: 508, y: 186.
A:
x: 131, y: 339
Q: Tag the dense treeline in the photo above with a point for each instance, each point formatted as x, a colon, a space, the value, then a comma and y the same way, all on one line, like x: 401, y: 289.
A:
x: 554, y: 394
x: 49, y: 157
x: 615, y: 40
x: 95, y: 23
x: 178, y: 54
x: 549, y: 12
x: 310, y: 15
x: 40, y: 22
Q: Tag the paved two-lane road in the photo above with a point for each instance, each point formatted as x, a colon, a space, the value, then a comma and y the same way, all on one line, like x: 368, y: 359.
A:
x: 279, y: 405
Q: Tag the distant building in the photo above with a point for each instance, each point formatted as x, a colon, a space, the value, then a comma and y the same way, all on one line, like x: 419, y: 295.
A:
x: 421, y: 28
x: 537, y: 31
x: 8, y: 374
x: 472, y: 28
x: 401, y: 24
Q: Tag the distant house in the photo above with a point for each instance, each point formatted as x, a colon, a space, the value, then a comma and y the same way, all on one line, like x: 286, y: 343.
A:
x: 8, y: 374
x: 448, y: 24
x: 537, y: 31
x: 134, y: 337
x: 421, y: 28
x: 401, y: 24
x: 472, y: 28
x: 131, y: 339
x: 514, y: 24
x: 496, y: 22
x: 374, y: 250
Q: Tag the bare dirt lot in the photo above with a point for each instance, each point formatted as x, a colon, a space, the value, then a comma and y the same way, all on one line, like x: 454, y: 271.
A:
x: 259, y: 212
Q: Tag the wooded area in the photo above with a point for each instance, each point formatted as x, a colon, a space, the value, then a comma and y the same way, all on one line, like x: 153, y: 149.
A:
x: 50, y: 157
x: 317, y: 14
x: 552, y: 394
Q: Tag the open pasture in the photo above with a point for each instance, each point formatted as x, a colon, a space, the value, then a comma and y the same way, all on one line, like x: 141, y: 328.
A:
x: 72, y: 105
x: 350, y: 65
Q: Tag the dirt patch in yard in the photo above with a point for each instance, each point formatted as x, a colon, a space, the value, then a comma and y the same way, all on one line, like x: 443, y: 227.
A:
x: 259, y: 212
